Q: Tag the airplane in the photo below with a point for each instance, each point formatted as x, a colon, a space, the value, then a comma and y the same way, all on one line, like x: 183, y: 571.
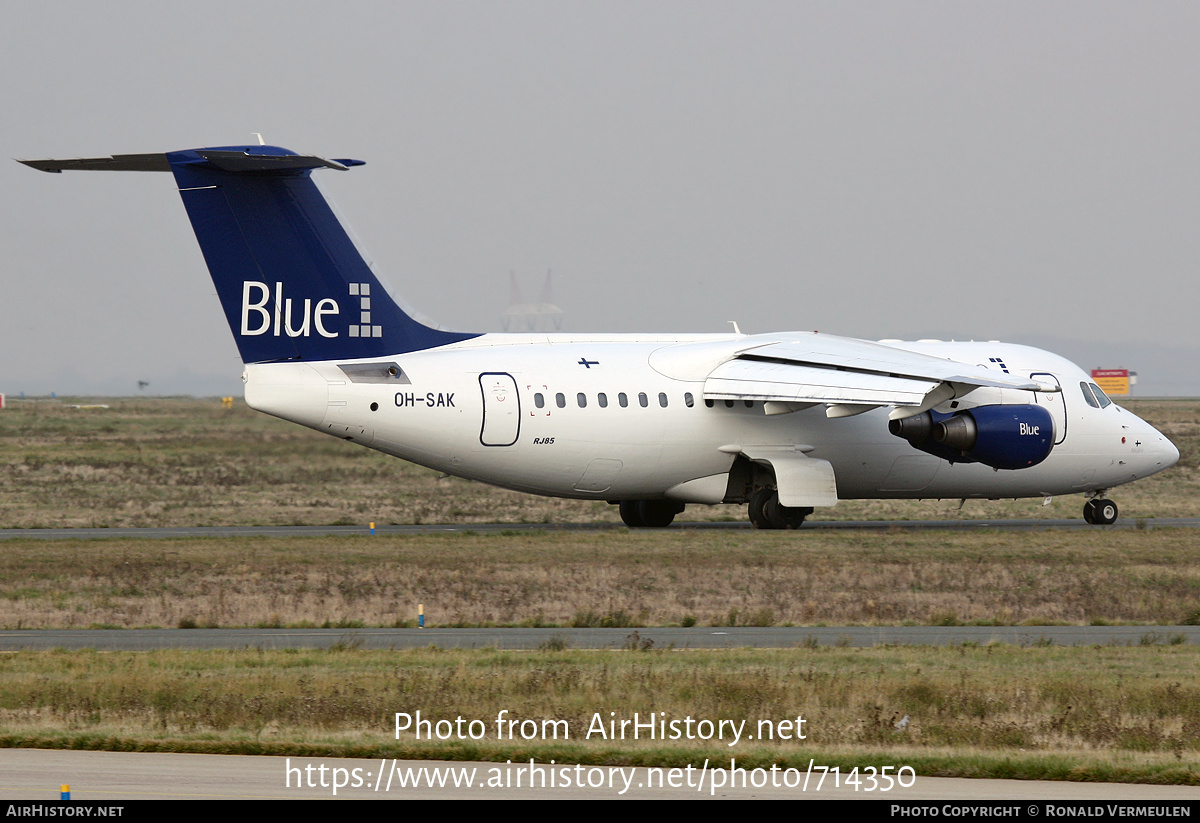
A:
x: 782, y: 423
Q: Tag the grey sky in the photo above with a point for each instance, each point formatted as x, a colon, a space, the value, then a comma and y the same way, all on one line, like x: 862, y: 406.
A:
x: 1020, y: 171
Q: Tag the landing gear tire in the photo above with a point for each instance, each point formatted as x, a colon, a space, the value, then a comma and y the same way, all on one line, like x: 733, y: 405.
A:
x: 658, y: 514
x: 1100, y: 511
x: 757, y: 508
x: 766, y: 512
x: 649, y: 514
x: 785, y: 517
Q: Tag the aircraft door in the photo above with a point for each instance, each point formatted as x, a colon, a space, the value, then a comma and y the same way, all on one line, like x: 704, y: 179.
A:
x: 501, y: 409
x: 1055, y: 403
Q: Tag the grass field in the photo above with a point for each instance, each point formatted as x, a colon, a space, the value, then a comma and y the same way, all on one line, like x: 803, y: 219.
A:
x: 1109, y: 714
x: 1098, y: 713
x: 609, y: 578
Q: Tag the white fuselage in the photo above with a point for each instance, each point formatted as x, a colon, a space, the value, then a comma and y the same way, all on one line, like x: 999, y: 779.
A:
x: 622, y: 417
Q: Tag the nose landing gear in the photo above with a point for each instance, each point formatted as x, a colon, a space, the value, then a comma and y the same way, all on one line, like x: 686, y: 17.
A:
x: 1100, y: 511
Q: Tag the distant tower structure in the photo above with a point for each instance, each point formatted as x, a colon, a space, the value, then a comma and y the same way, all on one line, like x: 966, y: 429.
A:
x: 542, y: 316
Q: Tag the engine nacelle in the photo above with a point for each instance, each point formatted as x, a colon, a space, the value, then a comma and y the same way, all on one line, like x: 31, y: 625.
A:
x: 1001, y: 436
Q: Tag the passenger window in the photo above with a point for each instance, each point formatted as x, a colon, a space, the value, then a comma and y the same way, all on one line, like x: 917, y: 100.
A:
x: 688, y: 400
x: 1087, y: 395
x: 581, y: 399
x: 560, y: 400
x: 729, y: 404
x: 708, y: 402
x: 749, y: 403
x: 662, y: 399
x: 602, y: 400
x: 623, y: 399
x: 539, y: 400
x: 643, y: 400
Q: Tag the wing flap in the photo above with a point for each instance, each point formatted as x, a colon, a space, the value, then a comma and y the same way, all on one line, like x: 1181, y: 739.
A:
x: 845, y: 353
x: 743, y: 379
x: 822, y: 368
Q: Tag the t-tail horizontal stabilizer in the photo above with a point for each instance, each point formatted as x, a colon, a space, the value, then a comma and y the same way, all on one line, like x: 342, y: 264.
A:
x: 290, y: 279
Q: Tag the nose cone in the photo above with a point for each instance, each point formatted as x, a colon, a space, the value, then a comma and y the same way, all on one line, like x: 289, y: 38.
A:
x: 1157, y: 452
x: 1170, y: 453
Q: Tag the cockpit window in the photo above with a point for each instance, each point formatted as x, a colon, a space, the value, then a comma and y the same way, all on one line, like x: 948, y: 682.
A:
x: 1088, y: 396
x: 1094, y: 395
x: 1101, y: 397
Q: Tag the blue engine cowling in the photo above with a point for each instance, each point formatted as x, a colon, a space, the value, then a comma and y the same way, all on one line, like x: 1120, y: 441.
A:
x: 1000, y: 436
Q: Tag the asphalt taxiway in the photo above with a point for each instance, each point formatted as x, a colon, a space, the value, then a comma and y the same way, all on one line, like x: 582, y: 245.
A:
x: 112, y: 777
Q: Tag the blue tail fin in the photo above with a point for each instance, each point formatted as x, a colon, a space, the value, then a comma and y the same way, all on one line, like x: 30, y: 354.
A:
x: 292, y: 283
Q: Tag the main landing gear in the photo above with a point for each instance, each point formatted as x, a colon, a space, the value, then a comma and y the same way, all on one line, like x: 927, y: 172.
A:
x: 649, y: 514
x: 766, y: 512
x: 1100, y: 511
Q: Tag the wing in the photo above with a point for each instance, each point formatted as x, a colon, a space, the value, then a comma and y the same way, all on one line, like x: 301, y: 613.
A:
x: 852, y: 376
